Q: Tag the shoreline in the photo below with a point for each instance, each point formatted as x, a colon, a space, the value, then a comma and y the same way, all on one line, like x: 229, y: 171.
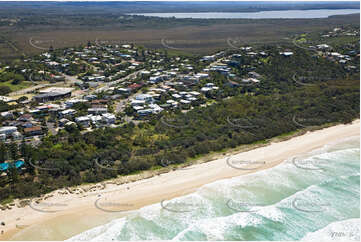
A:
x: 63, y: 215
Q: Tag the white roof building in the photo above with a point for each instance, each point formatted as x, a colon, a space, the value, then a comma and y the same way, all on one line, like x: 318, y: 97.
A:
x: 323, y: 46
x: 206, y: 89
x: 68, y: 112
x: 194, y: 93
x: 56, y: 89
x: 95, y: 118
x: 71, y: 102
x: 185, y: 101
x: 109, y: 118
x: 137, y: 102
x: 286, y: 53
x: 144, y: 97
x: 155, y: 108
x: 6, y: 99
x: 8, y: 129
x: 335, y: 54
x: 136, y: 108
x: 82, y: 119
x: 191, y: 98
x: 176, y: 95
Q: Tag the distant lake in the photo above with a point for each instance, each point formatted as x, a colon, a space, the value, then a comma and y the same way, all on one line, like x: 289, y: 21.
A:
x: 301, y: 14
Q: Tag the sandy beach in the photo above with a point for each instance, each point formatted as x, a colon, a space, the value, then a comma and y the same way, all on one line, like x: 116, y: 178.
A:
x: 62, y: 216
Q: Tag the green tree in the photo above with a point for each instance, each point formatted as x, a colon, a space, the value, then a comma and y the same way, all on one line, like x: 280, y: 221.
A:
x: 14, y: 151
x: 3, y: 152
x: 4, y: 90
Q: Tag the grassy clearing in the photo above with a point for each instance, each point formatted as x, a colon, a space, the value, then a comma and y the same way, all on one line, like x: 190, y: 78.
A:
x: 14, y: 88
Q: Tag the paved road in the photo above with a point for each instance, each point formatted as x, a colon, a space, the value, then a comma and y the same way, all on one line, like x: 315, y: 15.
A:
x: 130, y: 76
x: 112, y: 83
x: 71, y: 79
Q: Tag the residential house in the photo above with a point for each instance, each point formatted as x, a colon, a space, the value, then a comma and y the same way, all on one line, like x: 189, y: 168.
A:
x: 8, y: 130
x: 84, y: 121
x: 108, y: 118
x: 36, y: 130
x: 144, y: 97
x: 97, y: 110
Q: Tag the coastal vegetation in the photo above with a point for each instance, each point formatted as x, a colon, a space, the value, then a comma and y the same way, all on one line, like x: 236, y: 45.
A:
x: 255, y: 114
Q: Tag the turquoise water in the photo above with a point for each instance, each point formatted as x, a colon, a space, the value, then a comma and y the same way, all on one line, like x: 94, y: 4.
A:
x: 5, y: 166
x: 317, y: 198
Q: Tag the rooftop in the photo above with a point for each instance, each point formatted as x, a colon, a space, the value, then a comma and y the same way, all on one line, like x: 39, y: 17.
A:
x: 56, y: 90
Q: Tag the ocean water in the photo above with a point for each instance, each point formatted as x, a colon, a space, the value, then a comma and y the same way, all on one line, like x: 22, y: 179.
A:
x: 313, y: 197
